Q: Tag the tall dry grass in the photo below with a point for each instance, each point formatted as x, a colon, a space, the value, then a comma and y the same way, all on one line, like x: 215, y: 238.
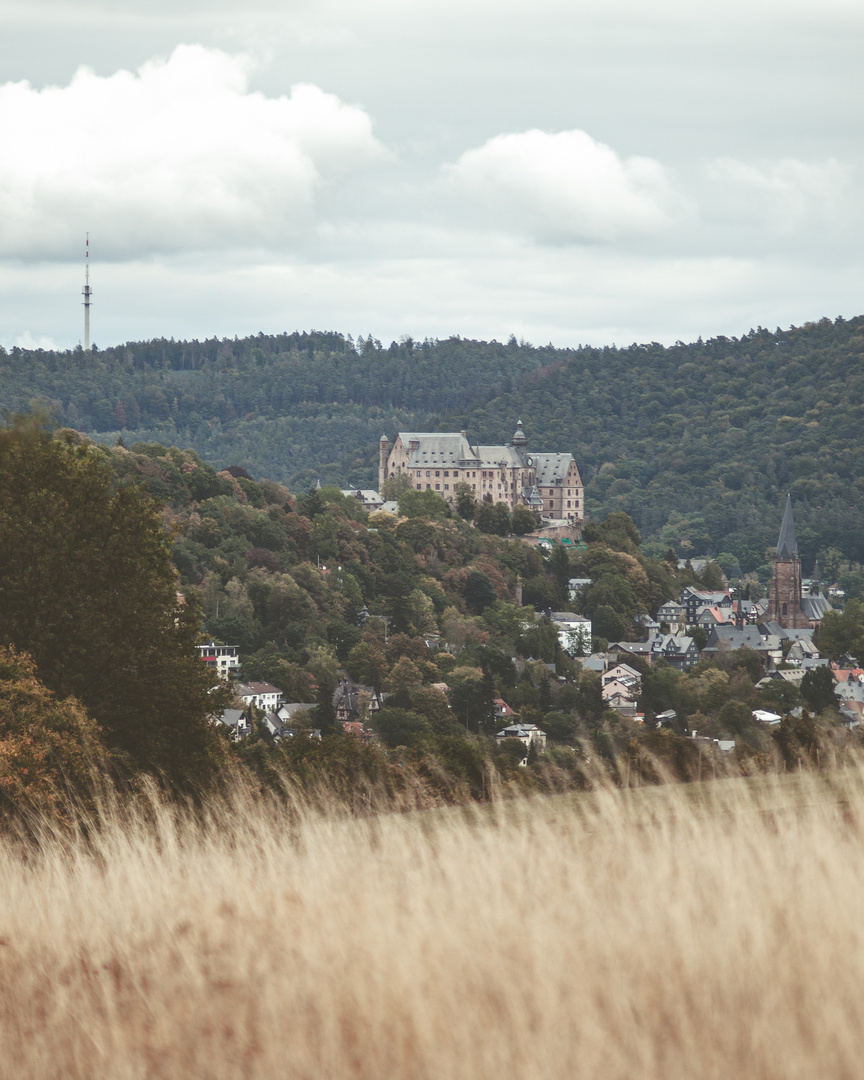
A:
x: 703, y: 931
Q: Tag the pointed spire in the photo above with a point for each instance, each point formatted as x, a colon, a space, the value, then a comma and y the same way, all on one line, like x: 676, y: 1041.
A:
x: 787, y: 545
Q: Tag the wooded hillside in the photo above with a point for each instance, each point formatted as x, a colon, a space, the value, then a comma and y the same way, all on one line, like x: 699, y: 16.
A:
x: 698, y: 443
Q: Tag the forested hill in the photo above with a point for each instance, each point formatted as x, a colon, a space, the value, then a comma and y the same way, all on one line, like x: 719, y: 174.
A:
x: 698, y: 443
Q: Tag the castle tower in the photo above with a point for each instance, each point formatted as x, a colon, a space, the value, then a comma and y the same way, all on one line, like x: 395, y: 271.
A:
x: 784, y: 596
x: 519, y: 442
x: 383, y: 455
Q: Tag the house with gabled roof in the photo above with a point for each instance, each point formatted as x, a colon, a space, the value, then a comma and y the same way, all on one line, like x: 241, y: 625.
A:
x: 260, y: 694
x: 693, y: 599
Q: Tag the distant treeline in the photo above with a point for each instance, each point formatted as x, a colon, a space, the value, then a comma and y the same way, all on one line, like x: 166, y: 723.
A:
x: 699, y: 443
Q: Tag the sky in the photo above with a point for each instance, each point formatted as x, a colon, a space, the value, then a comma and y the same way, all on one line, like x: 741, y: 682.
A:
x: 568, y: 171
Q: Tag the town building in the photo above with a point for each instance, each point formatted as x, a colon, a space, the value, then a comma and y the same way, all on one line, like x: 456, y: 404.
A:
x: 222, y: 658
x: 442, y: 461
x: 787, y: 605
x: 260, y: 694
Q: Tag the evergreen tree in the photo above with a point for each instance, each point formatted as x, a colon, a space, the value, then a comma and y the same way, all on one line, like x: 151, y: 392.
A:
x: 87, y: 588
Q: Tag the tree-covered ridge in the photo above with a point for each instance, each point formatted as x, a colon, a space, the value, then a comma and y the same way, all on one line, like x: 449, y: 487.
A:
x: 699, y: 443
x: 289, y: 406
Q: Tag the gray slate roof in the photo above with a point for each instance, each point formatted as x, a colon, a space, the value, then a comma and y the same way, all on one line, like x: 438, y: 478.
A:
x: 787, y: 544
x: 551, y: 468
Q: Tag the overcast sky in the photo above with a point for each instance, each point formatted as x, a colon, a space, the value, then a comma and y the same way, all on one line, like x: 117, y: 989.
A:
x: 573, y: 171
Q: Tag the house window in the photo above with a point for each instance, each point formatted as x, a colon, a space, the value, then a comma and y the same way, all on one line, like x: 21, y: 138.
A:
x: 446, y: 487
x: 437, y: 487
x: 437, y: 473
x: 428, y: 487
x: 428, y: 473
x: 419, y: 487
x: 568, y: 504
x: 418, y: 474
x: 446, y: 473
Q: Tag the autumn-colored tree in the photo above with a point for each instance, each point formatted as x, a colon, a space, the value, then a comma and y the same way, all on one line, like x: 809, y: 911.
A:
x: 50, y: 750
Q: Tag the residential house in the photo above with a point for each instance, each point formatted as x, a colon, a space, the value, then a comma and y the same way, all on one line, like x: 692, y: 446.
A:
x: 260, y: 694
x: 528, y: 734
x: 728, y: 638
x: 672, y: 614
x: 370, y: 500
x: 577, y: 586
x: 574, y: 632
x: 678, y: 650
x: 502, y: 709
x: 626, y: 676
x: 237, y: 721
x: 224, y: 659
x: 353, y: 702
x: 693, y: 599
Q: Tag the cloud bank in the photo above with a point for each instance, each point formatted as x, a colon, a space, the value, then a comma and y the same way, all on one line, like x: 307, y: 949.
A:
x: 564, y: 188
x: 180, y: 156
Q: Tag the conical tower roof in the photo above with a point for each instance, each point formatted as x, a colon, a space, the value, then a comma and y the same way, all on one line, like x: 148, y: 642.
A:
x: 787, y: 545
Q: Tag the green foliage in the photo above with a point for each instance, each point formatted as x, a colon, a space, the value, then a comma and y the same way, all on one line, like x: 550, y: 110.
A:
x: 87, y: 588
x: 817, y: 689
x: 428, y: 504
x: 399, y: 727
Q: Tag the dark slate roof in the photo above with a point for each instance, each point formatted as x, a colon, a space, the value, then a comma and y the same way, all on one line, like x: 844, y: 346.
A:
x: 787, y: 545
x: 552, y: 468
x: 735, y: 638
x: 814, y: 607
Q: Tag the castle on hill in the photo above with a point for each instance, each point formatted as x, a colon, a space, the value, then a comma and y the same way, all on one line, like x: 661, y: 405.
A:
x: 442, y: 461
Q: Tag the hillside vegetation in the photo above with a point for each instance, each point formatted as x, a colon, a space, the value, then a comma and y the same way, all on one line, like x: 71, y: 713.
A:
x: 699, y: 443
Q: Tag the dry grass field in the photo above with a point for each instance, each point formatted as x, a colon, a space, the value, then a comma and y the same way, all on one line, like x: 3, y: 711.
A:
x: 693, y: 932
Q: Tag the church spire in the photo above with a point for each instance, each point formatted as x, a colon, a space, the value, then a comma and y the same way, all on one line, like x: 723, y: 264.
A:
x: 787, y: 545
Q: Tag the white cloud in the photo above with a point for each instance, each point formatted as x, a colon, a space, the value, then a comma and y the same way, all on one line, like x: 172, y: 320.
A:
x: 180, y: 156
x: 564, y: 187
x: 788, y: 194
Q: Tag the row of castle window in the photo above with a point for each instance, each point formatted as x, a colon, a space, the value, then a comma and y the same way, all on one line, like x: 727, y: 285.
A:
x: 483, y: 474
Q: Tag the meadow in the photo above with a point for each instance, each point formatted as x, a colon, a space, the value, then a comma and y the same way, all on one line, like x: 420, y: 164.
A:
x: 698, y: 931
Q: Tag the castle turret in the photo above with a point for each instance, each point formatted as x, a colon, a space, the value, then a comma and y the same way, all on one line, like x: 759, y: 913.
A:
x: 383, y: 456
x: 519, y: 442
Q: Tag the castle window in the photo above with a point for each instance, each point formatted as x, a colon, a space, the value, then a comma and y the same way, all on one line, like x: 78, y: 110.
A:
x: 446, y: 487
x: 419, y: 487
x: 428, y: 487
x: 568, y: 504
x: 437, y: 473
x: 418, y: 474
x: 446, y: 473
x: 784, y: 610
x: 428, y: 473
x: 437, y: 487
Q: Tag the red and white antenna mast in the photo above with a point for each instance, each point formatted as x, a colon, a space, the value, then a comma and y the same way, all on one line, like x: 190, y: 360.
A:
x: 87, y: 294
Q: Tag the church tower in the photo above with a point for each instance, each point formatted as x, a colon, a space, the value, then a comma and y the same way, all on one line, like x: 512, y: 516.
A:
x: 784, y: 597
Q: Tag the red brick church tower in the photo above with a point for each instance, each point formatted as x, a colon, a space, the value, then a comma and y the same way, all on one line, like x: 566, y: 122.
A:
x: 784, y: 596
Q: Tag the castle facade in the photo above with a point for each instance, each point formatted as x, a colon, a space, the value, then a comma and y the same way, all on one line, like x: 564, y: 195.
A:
x: 441, y: 461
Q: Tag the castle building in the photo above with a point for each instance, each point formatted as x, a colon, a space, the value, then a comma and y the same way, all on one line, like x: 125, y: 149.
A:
x: 786, y: 603
x: 549, y: 483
